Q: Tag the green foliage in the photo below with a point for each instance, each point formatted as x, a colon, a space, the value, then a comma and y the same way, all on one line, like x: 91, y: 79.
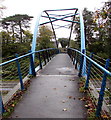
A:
x: 16, y: 25
x: 63, y: 41
x: 97, y: 31
x: 45, y: 37
x: 13, y: 48
x: 15, y: 31
x: 74, y: 44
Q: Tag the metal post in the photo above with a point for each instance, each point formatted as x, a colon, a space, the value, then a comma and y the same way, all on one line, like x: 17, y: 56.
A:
x: 32, y: 67
x: 44, y: 57
x: 101, y: 93
x: 40, y: 62
x: 74, y: 57
x: 81, y: 64
x: 76, y: 60
x: 89, y: 71
x: 2, y: 109
x: 47, y: 55
x: 19, y: 73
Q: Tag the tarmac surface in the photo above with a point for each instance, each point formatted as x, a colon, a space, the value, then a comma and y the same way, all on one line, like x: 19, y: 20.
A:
x: 53, y: 93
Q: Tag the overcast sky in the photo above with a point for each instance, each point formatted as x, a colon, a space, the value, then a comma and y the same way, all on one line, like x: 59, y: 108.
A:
x: 33, y: 7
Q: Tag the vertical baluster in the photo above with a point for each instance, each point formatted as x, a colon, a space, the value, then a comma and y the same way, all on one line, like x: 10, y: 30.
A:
x: 89, y: 71
x: 74, y: 57
x: 40, y: 62
x: 44, y: 57
x: 19, y: 73
x: 101, y: 93
x: 2, y: 109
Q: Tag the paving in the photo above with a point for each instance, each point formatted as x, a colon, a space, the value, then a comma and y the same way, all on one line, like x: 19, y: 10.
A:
x: 53, y: 93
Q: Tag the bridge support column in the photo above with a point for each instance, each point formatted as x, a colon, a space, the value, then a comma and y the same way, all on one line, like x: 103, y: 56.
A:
x: 82, y: 42
x: 81, y: 64
x: 32, y: 67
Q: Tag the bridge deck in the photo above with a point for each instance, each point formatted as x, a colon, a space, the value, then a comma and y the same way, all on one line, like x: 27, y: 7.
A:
x: 53, y: 93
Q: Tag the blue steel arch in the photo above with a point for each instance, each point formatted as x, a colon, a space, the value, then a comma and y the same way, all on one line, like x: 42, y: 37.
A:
x: 53, y: 18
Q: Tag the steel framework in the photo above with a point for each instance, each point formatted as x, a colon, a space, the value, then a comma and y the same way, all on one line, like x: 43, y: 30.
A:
x: 64, y: 15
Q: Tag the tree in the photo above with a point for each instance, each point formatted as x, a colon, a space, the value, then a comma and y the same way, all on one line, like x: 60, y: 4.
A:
x: 102, y: 17
x: 89, y: 26
x: 28, y: 36
x: 16, y: 23
x: 64, y: 42
x: 5, y: 37
x: 45, y: 37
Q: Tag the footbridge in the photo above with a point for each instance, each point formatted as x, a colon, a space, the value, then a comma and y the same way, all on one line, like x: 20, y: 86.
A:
x: 51, y: 83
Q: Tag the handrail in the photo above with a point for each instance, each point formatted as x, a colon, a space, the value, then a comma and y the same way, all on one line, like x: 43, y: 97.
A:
x: 24, y: 56
x: 98, y: 81
x: 102, y: 68
x: 17, y: 69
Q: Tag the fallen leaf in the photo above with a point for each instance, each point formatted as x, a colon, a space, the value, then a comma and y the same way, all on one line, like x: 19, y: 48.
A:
x: 105, y: 116
x: 63, y: 101
x: 12, y: 105
x: 69, y: 97
x: 54, y: 88
x: 83, y: 99
x: 64, y: 109
x: 87, y: 106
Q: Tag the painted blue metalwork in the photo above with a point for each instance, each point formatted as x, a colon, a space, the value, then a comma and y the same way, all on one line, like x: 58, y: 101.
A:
x: 35, y: 34
x: 89, y: 71
x: 62, y: 19
x: 82, y: 41
x: 40, y: 62
x: 101, y: 94
x: 19, y: 74
x: 2, y: 110
x: 4, y: 63
x: 95, y: 63
x: 81, y: 64
x: 32, y: 65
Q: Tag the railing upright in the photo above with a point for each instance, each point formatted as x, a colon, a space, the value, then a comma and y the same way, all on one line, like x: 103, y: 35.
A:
x: 47, y: 54
x: 74, y: 57
x: 40, y: 62
x: 2, y: 109
x: 101, y: 93
x: 19, y: 73
x: 44, y: 57
x: 89, y: 71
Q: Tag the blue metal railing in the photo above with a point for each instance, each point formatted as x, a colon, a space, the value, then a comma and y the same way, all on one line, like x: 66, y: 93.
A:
x: 98, y: 79
x: 16, y: 69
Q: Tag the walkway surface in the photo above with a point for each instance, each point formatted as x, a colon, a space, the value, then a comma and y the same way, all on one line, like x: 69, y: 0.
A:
x: 53, y: 93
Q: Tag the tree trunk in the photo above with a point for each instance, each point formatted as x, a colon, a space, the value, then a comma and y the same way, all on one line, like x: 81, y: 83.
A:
x: 20, y: 32
x: 13, y: 36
